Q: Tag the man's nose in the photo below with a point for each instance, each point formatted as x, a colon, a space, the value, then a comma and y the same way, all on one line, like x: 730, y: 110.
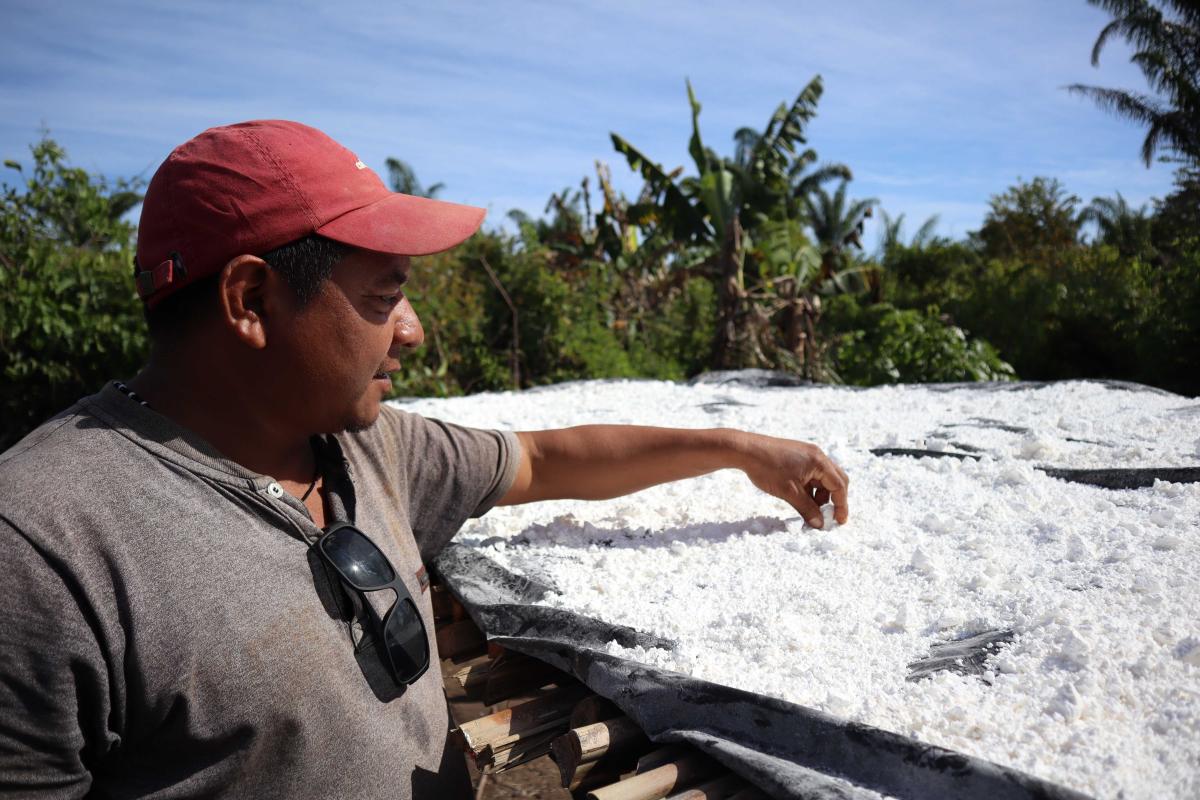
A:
x: 407, y: 332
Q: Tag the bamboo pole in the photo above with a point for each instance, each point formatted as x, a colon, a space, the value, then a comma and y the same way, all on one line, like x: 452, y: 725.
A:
x: 603, y: 750
x: 515, y: 753
x: 473, y: 677
x: 592, y: 742
x: 656, y: 758
x: 593, y: 709
x: 548, y: 712
x: 457, y: 638
x: 660, y: 781
x: 718, y: 789
x: 514, y: 674
x: 750, y: 793
x: 592, y: 775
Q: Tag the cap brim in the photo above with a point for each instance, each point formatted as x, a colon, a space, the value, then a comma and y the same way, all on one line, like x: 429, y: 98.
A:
x: 405, y: 225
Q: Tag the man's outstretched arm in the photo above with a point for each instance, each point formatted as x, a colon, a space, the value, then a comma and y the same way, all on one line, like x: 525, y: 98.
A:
x: 596, y: 462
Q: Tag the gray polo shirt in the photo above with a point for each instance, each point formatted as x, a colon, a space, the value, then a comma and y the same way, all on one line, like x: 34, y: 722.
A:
x: 166, y: 634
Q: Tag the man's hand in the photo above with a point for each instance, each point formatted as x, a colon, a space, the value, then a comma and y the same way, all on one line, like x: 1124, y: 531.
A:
x: 799, y: 473
x: 596, y: 462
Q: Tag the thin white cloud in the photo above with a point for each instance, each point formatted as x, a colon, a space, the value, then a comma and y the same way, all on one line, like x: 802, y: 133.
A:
x: 947, y: 101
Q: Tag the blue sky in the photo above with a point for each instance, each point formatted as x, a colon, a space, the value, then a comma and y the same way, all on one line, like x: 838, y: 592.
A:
x: 935, y: 105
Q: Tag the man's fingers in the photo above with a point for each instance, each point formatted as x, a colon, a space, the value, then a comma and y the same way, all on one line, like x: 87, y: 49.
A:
x: 806, y: 506
x: 841, y: 507
x: 835, y: 481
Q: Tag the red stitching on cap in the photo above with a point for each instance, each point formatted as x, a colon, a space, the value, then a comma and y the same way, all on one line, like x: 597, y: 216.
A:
x: 287, y: 176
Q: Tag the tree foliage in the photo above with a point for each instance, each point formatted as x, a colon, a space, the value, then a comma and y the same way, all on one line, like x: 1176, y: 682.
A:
x: 750, y: 213
x: 69, y: 318
x: 1037, y: 219
x: 748, y: 259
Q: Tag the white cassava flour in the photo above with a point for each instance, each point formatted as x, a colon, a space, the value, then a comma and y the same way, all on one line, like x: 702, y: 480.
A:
x: 1099, y: 691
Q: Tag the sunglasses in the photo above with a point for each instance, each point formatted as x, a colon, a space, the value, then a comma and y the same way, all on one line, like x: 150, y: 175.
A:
x: 363, y: 566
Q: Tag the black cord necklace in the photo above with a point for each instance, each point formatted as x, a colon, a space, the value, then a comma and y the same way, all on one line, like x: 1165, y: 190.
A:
x: 316, y: 475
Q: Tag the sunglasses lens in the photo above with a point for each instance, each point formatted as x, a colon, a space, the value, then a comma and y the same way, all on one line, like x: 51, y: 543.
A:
x: 357, y: 558
x: 406, y: 642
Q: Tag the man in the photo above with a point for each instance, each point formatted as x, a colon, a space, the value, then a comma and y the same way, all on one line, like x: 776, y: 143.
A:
x: 196, y: 560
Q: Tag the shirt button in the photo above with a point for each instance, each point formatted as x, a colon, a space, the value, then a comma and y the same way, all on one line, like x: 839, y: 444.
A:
x: 275, y: 490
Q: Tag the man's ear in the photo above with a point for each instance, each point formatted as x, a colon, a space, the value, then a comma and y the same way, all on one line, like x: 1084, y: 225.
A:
x: 245, y: 284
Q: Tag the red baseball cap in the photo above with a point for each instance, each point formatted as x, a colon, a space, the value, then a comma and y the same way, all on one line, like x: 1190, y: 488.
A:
x: 254, y: 186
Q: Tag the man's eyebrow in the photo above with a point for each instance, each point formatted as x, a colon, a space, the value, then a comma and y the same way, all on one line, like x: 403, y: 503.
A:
x: 397, y: 277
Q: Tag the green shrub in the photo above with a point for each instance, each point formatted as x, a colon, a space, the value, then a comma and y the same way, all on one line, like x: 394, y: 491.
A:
x: 1095, y: 313
x: 563, y: 330
x: 69, y: 318
x: 883, y: 344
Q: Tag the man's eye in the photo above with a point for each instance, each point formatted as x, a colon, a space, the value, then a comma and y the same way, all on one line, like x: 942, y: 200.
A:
x: 389, y: 299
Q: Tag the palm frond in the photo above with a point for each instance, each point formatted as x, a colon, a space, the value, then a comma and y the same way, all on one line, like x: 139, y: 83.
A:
x: 924, y: 234
x: 1137, y: 107
x: 676, y: 212
x: 695, y: 145
x: 746, y: 140
x: 806, y: 184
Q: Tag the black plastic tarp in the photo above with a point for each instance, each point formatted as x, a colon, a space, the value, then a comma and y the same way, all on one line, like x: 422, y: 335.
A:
x: 787, y: 750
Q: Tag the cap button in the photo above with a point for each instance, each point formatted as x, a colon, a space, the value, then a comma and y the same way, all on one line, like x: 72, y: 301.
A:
x: 275, y: 490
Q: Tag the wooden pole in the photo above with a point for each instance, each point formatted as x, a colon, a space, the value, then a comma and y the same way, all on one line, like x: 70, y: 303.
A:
x: 549, y: 712
x: 593, y: 709
x: 718, y: 789
x: 602, y: 749
x: 656, y: 758
x: 457, y: 638
x: 592, y: 742
x: 750, y: 793
x: 592, y: 775
x: 660, y: 781
x: 473, y: 677
x: 514, y: 674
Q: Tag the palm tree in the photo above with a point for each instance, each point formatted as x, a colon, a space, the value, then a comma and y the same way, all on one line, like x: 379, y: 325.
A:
x: 892, y: 234
x: 837, y: 226
x: 1120, y: 225
x: 403, y: 179
x: 801, y: 180
x: 1166, y: 37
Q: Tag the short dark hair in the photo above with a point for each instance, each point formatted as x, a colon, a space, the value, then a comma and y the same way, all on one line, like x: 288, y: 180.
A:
x: 304, y: 265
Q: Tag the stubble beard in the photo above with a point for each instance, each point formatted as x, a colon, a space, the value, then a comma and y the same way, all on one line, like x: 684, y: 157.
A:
x: 359, y: 421
x: 359, y: 425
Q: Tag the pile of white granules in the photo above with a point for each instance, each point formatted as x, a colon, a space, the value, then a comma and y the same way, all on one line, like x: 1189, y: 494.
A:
x: 1099, y: 691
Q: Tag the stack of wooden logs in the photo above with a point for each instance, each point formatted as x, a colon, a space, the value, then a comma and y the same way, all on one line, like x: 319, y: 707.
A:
x: 540, y: 711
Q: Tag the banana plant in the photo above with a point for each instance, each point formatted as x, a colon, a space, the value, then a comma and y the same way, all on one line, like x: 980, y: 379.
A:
x: 722, y: 206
